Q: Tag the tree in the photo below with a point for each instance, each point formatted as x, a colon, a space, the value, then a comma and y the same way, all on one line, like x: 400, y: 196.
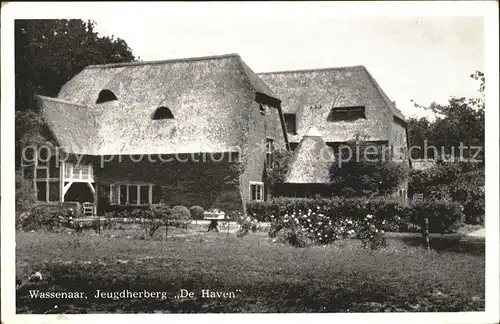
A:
x: 47, y: 54
x: 363, y: 174
x: 418, y: 133
x: 461, y: 120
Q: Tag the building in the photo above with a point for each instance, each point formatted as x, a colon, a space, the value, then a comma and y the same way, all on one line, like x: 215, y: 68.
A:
x: 191, y: 131
x: 330, y: 107
x: 197, y: 131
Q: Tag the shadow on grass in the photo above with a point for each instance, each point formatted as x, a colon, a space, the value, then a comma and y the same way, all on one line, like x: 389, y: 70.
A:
x: 448, y: 244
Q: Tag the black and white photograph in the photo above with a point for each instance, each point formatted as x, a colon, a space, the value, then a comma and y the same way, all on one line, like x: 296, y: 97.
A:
x: 328, y: 158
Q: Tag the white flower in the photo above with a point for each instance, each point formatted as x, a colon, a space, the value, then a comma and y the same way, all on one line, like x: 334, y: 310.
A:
x: 369, y: 216
x: 349, y: 222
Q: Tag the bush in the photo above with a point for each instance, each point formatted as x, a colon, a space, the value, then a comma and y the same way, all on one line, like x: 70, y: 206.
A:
x: 48, y: 217
x: 312, y: 226
x: 292, y: 236
x: 357, y: 176
x: 25, y: 198
x: 438, y: 192
x: 389, y: 213
x: 468, y: 190
x: 444, y: 216
x: 150, y: 219
x: 247, y: 224
x: 180, y: 216
x: 370, y: 236
x: 196, y: 212
x: 458, y: 182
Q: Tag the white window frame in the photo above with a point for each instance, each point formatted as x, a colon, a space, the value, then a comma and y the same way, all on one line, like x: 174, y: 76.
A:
x: 263, y: 109
x: 269, y: 148
x: 261, y: 189
x: 138, y: 185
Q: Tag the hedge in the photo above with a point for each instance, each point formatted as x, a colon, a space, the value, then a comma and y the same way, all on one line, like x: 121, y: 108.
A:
x: 390, y: 213
x: 459, y: 182
x: 444, y: 216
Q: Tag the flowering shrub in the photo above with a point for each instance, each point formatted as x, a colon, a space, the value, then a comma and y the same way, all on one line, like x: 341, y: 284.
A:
x: 383, y: 208
x: 299, y: 227
x: 247, y: 224
x: 370, y: 235
x: 293, y: 236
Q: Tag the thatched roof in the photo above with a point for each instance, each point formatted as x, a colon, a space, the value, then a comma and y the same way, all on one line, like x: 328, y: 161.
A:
x: 311, y: 160
x: 311, y: 95
x: 209, y: 97
x: 71, y: 124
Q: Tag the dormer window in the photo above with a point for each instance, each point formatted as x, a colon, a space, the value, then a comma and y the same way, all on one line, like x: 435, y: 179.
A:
x: 263, y: 109
x: 105, y: 96
x: 163, y: 113
x: 347, y: 114
x: 291, y: 123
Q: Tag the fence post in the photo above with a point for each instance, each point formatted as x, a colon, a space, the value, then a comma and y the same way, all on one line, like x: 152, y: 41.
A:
x: 426, y: 233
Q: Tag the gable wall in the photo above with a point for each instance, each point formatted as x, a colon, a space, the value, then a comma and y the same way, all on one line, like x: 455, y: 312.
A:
x: 398, y: 140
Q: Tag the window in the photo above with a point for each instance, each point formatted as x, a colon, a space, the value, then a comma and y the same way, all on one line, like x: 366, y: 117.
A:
x: 163, y: 113
x: 347, y: 114
x: 256, y: 191
x: 290, y: 123
x: 105, y: 96
x: 74, y: 171
x: 403, y: 195
x: 156, y: 195
x: 42, y: 169
x: 41, y: 191
x: 144, y: 193
x: 122, y: 197
x: 269, y: 148
x: 269, y: 145
x: 131, y: 194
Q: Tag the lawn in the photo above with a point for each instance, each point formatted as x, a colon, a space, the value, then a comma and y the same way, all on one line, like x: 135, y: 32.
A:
x: 256, y: 274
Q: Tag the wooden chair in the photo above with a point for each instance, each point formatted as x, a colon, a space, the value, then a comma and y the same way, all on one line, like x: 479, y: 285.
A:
x: 88, y: 209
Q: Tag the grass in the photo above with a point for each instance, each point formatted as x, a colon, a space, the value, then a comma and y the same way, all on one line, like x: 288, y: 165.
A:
x: 265, y: 276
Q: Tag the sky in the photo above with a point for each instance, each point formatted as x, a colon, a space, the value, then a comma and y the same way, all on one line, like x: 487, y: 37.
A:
x: 424, y: 58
